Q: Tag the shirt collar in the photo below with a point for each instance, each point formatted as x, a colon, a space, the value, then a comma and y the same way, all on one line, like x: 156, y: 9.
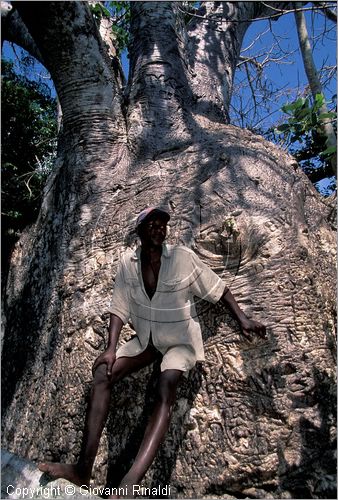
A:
x: 136, y: 255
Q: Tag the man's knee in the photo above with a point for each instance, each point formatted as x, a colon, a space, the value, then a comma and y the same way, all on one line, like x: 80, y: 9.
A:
x: 101, y: 378
x: 166, y: 388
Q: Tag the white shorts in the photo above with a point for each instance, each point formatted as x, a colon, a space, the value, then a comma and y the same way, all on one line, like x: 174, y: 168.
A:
x: 178, y: 357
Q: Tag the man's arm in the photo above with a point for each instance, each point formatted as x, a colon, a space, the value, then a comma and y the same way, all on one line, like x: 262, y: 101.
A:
x: 115, y: 327
x: 108, y: 357
x: 247, y: 325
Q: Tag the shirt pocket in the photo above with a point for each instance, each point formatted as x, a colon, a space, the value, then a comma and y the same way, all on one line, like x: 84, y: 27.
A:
x: 174, y: 292
x: 138, y: 307
x: 171, y: 285
x: 134, y: 288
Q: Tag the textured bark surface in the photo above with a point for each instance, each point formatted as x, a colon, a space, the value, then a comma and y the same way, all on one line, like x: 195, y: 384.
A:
x: 21, y: 478
x: 255, y: 419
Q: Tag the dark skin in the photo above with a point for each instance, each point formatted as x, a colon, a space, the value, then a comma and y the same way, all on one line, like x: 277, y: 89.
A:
x: 107, y: 370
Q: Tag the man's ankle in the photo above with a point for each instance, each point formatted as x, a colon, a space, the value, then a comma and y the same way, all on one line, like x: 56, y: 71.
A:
x: 84, y: 469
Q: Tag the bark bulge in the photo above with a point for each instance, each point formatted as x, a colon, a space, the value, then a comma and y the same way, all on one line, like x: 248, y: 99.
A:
x: 256, y: 419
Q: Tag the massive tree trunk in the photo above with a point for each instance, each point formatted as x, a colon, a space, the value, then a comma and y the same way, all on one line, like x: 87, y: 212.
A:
x: 255, y: 418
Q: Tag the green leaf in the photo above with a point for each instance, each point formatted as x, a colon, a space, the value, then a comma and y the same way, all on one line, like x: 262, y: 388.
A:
x: 14, y: 214
x: 105, y: 11
x: 29, y: 118
x: 330, y: 150
x: 302, y: 113
x: 95, y: 9
x: 118, y: 6
x: 319, y: 100
x: 283, y: 128
x: 100, y: 10
x: 314, y: 120
x: 300, y: 102
x: 288, y: 107
x: 322, y: 116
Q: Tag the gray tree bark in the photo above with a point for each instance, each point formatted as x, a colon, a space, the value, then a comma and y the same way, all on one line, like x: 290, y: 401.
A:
x: 254, y: 419
x: 314, y: 81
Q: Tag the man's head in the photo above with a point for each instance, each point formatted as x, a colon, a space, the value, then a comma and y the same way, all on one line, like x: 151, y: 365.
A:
x: 151, y: 225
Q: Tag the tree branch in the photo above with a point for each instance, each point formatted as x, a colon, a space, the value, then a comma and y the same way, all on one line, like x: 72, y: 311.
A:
x: 14, y: 30
x: 74, y: 54
x: 260, y: 14
x: 313, y: 78
x: 330, y: 14
x: 250, y: 60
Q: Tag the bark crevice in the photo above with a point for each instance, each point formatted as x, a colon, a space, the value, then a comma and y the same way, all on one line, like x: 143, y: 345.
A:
x: 265, y: 409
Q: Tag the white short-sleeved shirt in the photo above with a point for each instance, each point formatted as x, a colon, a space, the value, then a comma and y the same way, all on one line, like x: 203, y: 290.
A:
x: 170, y: 315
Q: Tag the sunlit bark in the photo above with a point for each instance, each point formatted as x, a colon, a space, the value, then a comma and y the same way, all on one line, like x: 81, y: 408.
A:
x: 242, y: 421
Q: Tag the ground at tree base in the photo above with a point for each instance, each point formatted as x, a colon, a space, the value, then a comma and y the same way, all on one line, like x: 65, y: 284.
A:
x: 21, y: 478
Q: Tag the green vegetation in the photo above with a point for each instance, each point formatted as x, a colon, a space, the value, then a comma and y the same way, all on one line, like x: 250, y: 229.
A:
x: 119, y: 14
x: 29, y: 131
x: 28, y: 137
x: 303, y: 135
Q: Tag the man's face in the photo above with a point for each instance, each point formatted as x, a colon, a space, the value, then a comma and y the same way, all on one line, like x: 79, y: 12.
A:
x: 155, y: 231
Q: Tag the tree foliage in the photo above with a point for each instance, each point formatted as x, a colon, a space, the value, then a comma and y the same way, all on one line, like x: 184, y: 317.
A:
x: 259, y: 94
x: 28, y: 148
x: 237, y: 200
x: 29, y: 142
x: 312, y: 150
x: 303, y: 135
x: 121, y: 24
x: 119, y: 14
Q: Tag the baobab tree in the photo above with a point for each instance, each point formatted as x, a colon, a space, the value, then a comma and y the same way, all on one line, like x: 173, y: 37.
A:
x: 255, y: 417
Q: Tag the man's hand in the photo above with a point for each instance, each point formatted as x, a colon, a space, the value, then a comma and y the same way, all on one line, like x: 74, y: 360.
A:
x: 247, y: 325
x: 251, y: 326
x: 108, y: 357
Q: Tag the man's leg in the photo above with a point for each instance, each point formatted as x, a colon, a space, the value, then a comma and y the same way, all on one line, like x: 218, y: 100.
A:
x: 97, y: 412
x: 155, y: 431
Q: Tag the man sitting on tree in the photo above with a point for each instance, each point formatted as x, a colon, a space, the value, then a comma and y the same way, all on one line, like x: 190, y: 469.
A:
x: 155, y: 288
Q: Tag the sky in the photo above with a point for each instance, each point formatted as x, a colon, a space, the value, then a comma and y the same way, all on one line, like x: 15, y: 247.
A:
x: 287, y: 74
x: 285, y: 78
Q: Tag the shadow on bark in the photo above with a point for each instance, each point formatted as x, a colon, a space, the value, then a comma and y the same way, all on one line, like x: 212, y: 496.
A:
x: 21, y: 342
x: 315, y: 475
x: 123, y: 446
x: 119, y: 462
x: 121, y: 456
x: 166, y: 459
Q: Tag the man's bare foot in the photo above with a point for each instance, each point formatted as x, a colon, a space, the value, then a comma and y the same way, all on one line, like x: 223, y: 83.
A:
x: 65, y: 471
